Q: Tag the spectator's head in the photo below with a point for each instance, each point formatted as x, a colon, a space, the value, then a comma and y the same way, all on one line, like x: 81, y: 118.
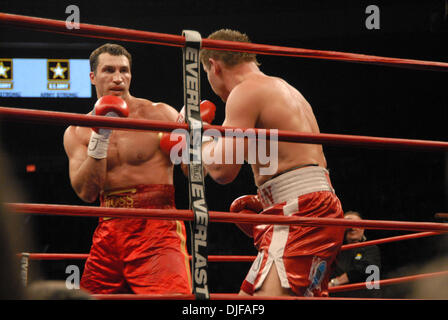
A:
x: 55, y: 290
x: 353, y: 235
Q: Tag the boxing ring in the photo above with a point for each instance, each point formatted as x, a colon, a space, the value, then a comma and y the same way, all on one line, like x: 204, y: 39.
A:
x: 420, y: 229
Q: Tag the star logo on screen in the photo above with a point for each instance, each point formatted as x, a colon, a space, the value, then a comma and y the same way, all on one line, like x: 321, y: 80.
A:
x: 58, y: 70
x: 58, y: 74
x: 5, y: 69
x: 6, y: 82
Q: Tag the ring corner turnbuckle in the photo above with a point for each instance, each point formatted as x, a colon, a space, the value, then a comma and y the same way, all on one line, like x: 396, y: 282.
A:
x: 199, y: 225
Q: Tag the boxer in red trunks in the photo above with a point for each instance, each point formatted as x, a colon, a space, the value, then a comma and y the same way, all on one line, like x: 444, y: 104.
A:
x: 138, y: 255
x: 127, y: 169
x: 301, y: 255
x: 292, y: 260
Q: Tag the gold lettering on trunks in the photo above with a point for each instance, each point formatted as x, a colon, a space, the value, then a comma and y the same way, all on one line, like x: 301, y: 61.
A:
x: 119, y: 202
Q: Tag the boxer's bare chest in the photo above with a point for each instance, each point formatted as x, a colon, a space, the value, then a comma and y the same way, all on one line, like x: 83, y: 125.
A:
x: 133, y: 147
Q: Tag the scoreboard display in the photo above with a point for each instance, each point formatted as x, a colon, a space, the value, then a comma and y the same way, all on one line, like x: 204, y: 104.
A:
x: 45, y: 78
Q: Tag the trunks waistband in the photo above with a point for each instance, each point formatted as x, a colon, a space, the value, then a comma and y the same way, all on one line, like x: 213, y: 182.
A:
x: 293, y: 184
x: 139, y: 196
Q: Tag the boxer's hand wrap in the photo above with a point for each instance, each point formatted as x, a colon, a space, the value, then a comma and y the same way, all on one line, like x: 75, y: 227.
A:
x: 98, y: 145
x: 110, y: 106
x: 246, y: 204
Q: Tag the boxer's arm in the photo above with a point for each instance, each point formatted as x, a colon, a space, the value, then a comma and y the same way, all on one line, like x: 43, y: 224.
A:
x: 246, y: 204
x: 87, y: 157
x: 208, y: 110
x: 220, y: 155
x: 168, y: 113
x: 338, y: 281
x: 87, y: 174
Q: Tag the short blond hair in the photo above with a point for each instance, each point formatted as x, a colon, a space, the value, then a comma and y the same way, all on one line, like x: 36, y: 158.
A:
x: 230, y: 58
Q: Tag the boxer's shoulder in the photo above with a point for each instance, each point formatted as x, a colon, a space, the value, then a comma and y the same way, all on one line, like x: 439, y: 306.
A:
x: 77, y: 132
x: 75, y: 136
x: 258, y: 87
x: 253, y: 94
x: 147, y: 109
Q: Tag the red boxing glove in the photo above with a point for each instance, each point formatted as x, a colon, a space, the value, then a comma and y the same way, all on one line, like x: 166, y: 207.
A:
x: 208, y: 110
x: 169, y: 140
x: 110, y: 106
x: 246, y: 204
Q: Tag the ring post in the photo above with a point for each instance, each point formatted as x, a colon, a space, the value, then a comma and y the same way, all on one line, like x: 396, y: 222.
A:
x: 199, y: 225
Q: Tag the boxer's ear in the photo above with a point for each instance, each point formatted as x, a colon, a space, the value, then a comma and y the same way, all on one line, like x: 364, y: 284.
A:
x: 92, y: 77
x: 215, y: 66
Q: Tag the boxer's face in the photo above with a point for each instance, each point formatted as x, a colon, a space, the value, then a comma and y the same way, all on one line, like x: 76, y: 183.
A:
x: 353, y: 234
x: 112, y: 76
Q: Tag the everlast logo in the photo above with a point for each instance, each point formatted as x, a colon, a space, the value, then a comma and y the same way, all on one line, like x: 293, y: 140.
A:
x: 191, y: 79
x: 199, y: 207
x: 200, y: 237
x: 192, y: 94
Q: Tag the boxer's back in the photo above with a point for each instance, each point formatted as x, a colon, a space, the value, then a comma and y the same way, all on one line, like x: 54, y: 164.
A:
x: 283, y: 107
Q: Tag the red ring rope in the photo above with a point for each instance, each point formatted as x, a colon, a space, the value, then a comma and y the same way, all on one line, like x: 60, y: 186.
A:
x: 390, y: 239
x: 120, y: 34
x: 216, y: 216
x: 385, y: 282
x: 441, y: 215
x: 216, y: 258
x: 65, y: 118
x: 232, y: 258
x: 213, y: 296
x: 83, y: 256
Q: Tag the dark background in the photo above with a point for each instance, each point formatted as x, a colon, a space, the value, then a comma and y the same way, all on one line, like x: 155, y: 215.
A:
x: 347, y: 98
